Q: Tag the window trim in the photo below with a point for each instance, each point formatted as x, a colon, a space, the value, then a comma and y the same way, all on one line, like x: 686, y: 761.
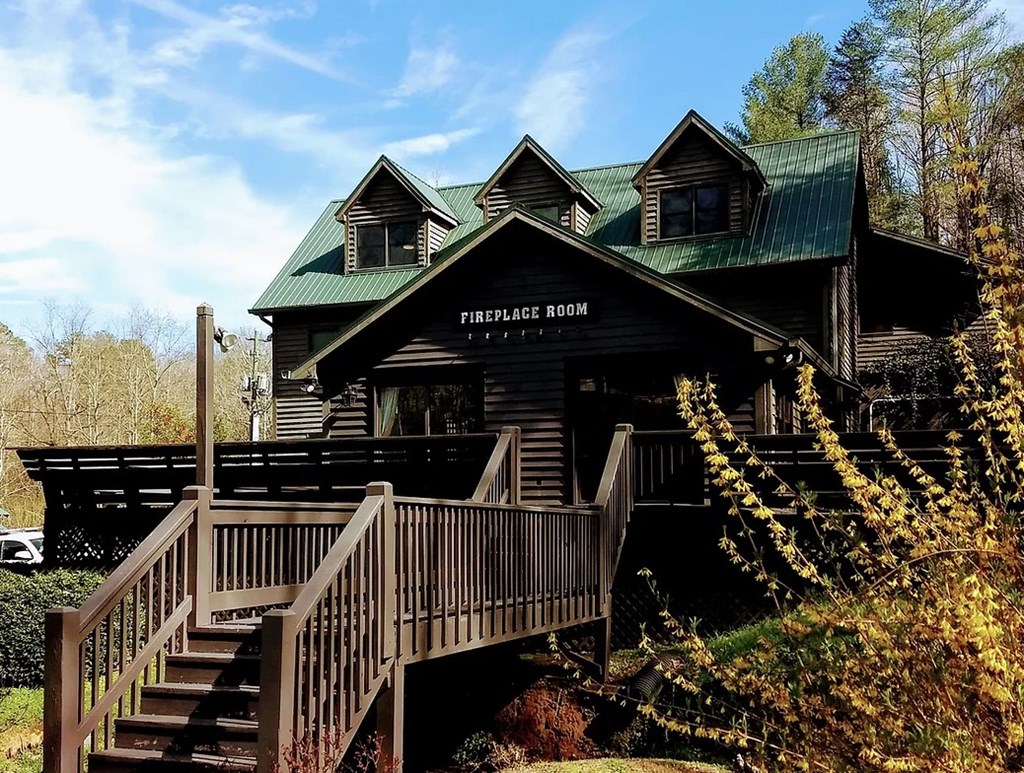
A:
x: 417, y: 224
x: 725, y: 182
x: 464, y: 375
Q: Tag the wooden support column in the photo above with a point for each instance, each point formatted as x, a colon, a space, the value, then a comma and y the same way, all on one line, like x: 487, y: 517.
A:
x: 204, y: 396
x: 61, y: 707
x: 603, y: 647
x: 391, y: 720
x: 764, y: 396
x: 515, y: 456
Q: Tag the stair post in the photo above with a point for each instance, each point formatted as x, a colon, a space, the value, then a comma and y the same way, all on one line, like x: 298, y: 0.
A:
x: 514, y: 457
x: 60, y: 698
x: 391, y: 699
x: 200, y: 555
x: 277, y: 690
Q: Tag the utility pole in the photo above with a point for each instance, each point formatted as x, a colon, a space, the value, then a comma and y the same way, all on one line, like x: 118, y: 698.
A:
x: 255, y: 386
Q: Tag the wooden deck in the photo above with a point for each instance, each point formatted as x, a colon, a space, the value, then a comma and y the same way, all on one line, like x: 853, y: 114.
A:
x: 351, y: 592
x: 347, y: 593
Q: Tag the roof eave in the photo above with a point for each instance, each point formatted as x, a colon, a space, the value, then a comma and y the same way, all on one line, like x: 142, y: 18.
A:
x: 748, y: 324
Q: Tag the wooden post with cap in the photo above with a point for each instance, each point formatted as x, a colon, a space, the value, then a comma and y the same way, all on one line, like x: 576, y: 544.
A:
x: 201, y: 533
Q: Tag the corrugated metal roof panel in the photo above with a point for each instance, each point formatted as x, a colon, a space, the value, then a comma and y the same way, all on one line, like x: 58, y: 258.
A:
x: 806, y: 213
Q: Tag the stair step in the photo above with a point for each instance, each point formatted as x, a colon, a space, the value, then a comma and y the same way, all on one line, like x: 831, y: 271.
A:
x: 235, y: 639
x: 187, y: 735
x: 218, y: 668
x: 207, y: 701
x: 148, y: 761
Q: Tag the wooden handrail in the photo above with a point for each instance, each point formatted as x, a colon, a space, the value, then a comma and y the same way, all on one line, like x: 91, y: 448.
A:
x: 342, y: 548
x: 327, y: 655
x: 109, y: 594
x: 500, y: 482
x: 98, y: 656
x: 580, y: 510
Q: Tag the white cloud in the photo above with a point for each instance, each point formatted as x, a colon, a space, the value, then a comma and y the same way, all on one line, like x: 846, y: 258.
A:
x: 553, y: 109
x: 427, y: 70
x: 239, y: 26
x: 22, y: 279
x: 428, y: 144
x: 102, y: 208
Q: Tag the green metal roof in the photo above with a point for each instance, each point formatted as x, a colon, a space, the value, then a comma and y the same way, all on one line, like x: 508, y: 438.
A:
x: 806, y: 213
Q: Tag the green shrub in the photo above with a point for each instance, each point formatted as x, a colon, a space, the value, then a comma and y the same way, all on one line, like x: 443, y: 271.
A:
x: 23, y: 604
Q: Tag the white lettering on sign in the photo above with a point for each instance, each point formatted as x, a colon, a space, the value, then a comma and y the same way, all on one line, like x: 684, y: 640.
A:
x: 500, y: 314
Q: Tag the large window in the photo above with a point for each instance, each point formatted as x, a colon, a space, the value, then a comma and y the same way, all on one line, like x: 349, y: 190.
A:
x: 694, y: 211
x: 386, y: 244
x: 427, y: 409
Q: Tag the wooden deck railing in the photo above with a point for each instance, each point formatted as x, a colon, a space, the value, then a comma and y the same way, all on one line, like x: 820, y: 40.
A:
x: 102, y: 501
x: 472, y: 574
x: 500, y: 484
x: 98, y: 657
x: 263, y: 553
x: 668, y: 467
x: 615, y: 501
x: 326, y: 656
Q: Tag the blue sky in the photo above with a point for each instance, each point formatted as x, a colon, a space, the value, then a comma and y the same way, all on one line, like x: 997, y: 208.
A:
x: 168, y: 152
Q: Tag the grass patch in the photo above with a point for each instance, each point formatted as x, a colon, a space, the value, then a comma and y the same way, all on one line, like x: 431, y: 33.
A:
x: 21, y: 730
x: 610, y: 765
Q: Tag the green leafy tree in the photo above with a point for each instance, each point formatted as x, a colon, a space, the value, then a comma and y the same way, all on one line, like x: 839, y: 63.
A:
x: 933, y: 47
x: 785, y: 98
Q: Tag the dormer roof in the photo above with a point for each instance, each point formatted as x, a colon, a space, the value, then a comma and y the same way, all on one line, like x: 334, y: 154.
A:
x: 529, y: 145
x: 696, y: 122
x: 426, y: 195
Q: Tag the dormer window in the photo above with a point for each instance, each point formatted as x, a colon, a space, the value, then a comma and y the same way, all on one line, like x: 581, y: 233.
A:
x: 697, y: 184
x: 386, y: 244
x: 393, y: 220
x: 696, y: 210
x: 532, y: 178
x: 550, y: 212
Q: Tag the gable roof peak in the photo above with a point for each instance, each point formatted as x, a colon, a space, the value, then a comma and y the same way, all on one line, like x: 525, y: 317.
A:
x: 693, y: 119
x: 528, y: 143
x: 428, y: 196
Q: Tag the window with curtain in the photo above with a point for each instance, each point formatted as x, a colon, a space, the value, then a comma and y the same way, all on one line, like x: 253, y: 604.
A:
x: 694, y: 211
x: 428, y: 409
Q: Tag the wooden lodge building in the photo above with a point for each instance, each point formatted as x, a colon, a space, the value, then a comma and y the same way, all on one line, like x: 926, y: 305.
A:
x: 474, y: 403
x: 566, y: 302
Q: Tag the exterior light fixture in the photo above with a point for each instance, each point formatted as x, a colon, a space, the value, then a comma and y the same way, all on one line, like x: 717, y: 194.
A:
x: 310, y: 385
x: 224, y: 339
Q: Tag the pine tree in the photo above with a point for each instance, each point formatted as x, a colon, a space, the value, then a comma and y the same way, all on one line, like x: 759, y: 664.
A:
x: 856, y: 98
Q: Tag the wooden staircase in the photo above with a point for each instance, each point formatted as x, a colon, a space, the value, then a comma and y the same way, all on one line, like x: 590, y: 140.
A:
x: 151, y: 675
x: 201, y: 716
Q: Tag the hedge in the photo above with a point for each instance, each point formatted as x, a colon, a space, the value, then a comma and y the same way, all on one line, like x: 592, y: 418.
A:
x: 24, y: 600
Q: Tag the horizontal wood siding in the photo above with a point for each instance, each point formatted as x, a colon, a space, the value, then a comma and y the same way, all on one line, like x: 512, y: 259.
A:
x: 582, y: 218
x: 353, y: 420
x: 383, y: 199
x: 790, y: 298
x: 437, y: 232
x: 693, y: 160
x: 531, y: 183
x: 525, y: 376
x: 297, y: 414
x: 847, y: 322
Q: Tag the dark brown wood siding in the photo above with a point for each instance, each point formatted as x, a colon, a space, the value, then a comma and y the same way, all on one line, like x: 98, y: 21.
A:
x: 788, y: 297
x: 693, y: 160
x: 525, y: 376
x: 296, y: 413
x: 383, y: 199
x: 531, y: 183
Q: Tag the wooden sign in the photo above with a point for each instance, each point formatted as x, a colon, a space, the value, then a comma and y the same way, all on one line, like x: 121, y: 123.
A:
x: 545, y: 313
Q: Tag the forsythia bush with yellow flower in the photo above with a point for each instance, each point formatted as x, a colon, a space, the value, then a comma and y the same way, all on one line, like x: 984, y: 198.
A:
x: 900, y: 647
